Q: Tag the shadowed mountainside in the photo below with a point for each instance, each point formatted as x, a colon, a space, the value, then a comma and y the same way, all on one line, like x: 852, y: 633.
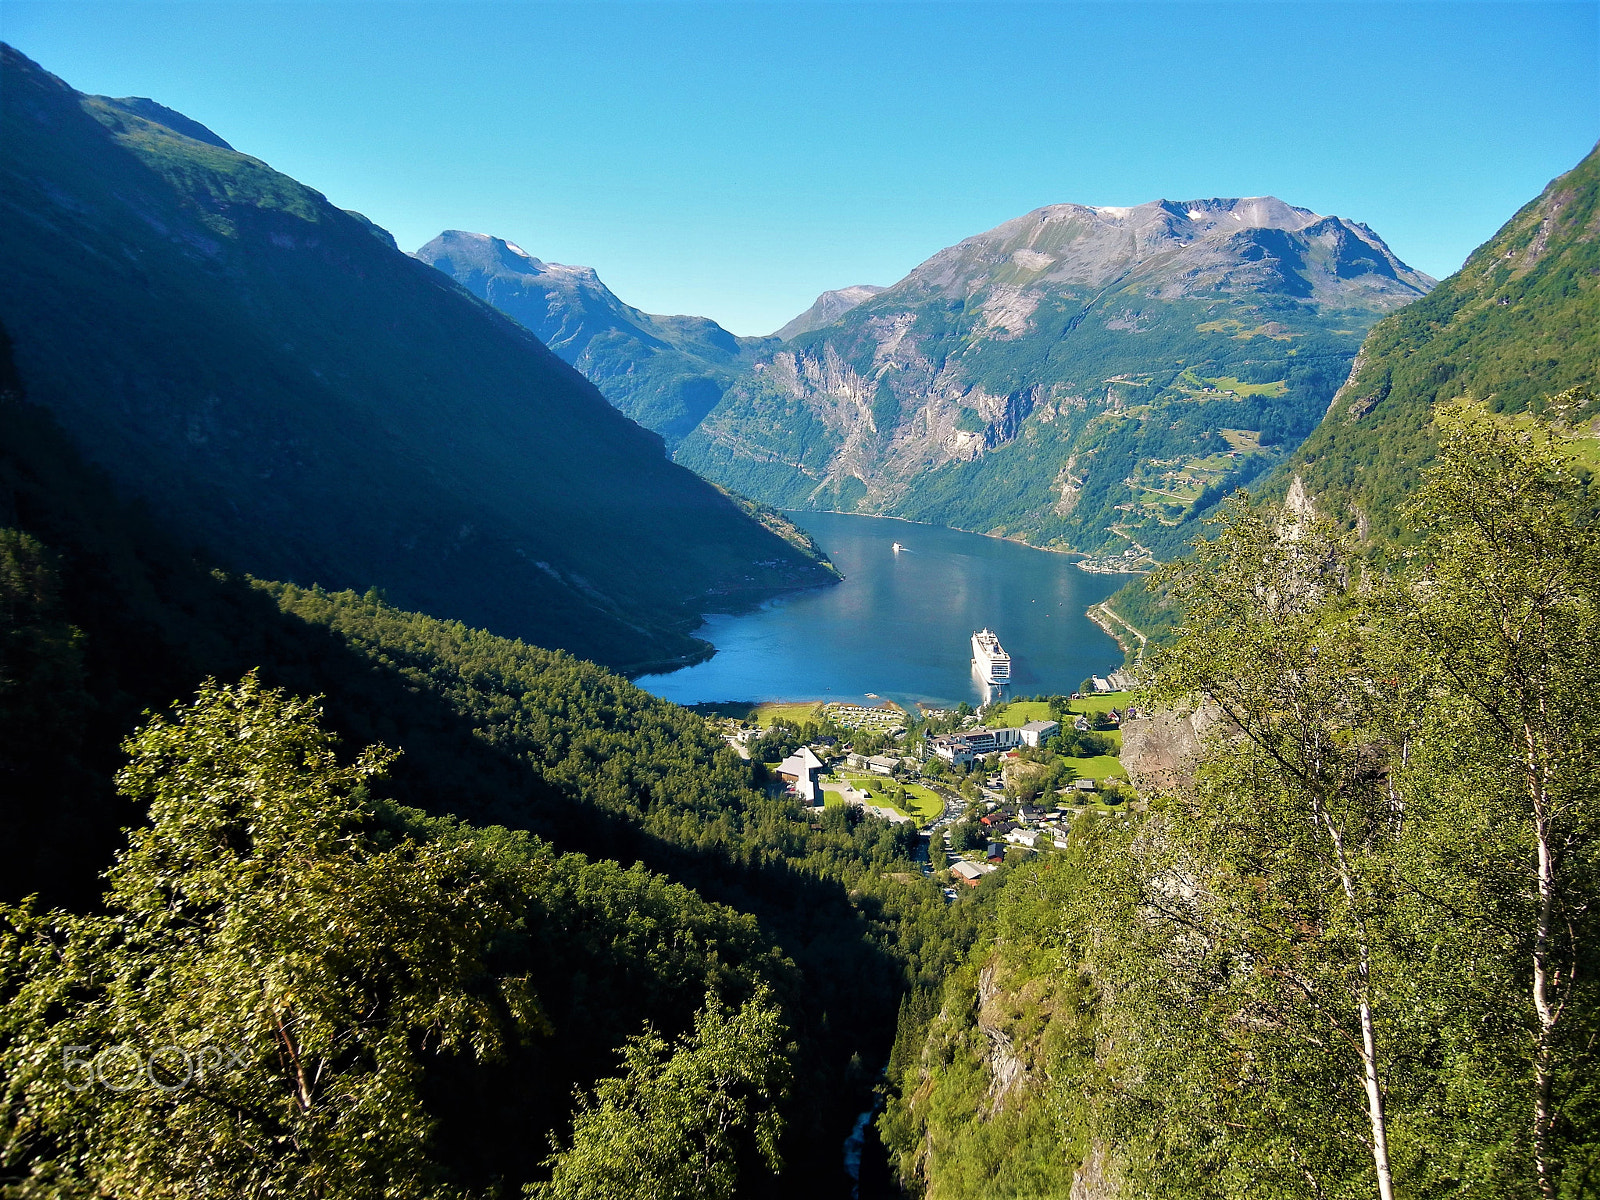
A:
x: 282, y: 385
x: 664, y: 372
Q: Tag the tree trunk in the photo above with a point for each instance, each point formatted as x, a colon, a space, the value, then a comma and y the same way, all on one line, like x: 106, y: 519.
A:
x: 1369, y: 1063
x: 1548, y: 1013
x: 1369, y: 1037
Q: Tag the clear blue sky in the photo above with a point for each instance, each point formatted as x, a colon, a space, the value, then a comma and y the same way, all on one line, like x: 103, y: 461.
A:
x: 733, y: 160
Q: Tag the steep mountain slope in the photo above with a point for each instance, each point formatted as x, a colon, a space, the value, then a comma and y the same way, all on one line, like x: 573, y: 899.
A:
x: 664, y: 372
x: 285, y: 387
x: 1517, y: 325
x: 829, y: 307
x: 1086, y: 378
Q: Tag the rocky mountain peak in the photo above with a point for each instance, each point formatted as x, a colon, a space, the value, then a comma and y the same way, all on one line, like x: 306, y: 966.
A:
x: 1175, y: 247
x: 828, y: 308
x: 457, y: 252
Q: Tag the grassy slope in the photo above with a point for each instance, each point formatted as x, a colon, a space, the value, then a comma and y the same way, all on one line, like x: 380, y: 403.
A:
x: 1516, y: 325
x: 1018, y: 713
x: 284, y: 386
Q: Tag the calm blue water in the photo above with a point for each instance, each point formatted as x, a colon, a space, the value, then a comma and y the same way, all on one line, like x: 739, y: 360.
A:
x: 900, y: 625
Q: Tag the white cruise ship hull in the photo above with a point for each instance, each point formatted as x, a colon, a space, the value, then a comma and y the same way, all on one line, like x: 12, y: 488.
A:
x: 991, y: 662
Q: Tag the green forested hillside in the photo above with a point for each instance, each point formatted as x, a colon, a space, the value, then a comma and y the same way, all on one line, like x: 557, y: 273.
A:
x: 1344, y: 952
x: 1516, y: 326
x: 578, y: 771
x: 283, y: 386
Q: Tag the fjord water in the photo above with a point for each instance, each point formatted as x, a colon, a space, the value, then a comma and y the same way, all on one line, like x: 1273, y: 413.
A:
x: 900, y: 625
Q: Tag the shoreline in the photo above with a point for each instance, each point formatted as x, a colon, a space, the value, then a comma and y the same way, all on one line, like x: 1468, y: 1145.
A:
x: 1083, y: 560
x: 999, y: 537
x: 1103, y: 615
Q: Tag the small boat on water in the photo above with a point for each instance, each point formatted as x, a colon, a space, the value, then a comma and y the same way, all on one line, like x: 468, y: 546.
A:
x: 898, y: 547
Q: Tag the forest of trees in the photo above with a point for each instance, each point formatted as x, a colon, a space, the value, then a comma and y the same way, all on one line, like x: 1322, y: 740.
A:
x: 1354, y: 957
x: 537, y: 963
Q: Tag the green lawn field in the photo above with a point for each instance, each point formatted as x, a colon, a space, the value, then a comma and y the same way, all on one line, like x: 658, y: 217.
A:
x: 1020, y: 712
x: 920, y: 804
x: 797, y: 714
x: 1102, y: 766
x: 1101, y: 703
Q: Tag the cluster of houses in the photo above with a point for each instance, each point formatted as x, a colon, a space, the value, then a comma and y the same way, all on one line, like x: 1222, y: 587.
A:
x: 1021, y: 825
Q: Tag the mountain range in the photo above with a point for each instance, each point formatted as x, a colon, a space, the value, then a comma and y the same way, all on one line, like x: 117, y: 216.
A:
x: 664, y: 372
x: 1083, y: 378
x: 278, y: 382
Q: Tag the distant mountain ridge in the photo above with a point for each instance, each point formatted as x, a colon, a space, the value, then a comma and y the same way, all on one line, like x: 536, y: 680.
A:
x: 1181, y: 248
x: 287, y: 389
x: 664, y: 372
x: 1080, y: 377
x: 828, y: 308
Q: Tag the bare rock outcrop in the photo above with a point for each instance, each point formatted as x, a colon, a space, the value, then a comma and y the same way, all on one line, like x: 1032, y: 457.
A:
x: 1160, y: 751
x: 1094, y: 1179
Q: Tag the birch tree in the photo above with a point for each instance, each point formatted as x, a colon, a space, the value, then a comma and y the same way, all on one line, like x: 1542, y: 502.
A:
x: 682, y: 1122
x: 1504, y: 609
x: 252, y: 1013
x: 1275, y: 864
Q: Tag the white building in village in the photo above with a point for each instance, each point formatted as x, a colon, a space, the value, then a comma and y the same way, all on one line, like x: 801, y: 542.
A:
x: 1036, y: 733
x: 801, y: 771
x: 961, y: 749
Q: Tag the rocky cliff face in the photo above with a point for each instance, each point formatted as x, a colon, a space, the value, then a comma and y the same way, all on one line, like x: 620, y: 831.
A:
x: 1089, y: 378
x: 986, y: 1108
x: 1161, y: 751
x: 664, y: 372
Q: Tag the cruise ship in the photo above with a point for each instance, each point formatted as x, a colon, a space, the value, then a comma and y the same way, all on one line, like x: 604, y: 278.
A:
x: 993, y: 663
